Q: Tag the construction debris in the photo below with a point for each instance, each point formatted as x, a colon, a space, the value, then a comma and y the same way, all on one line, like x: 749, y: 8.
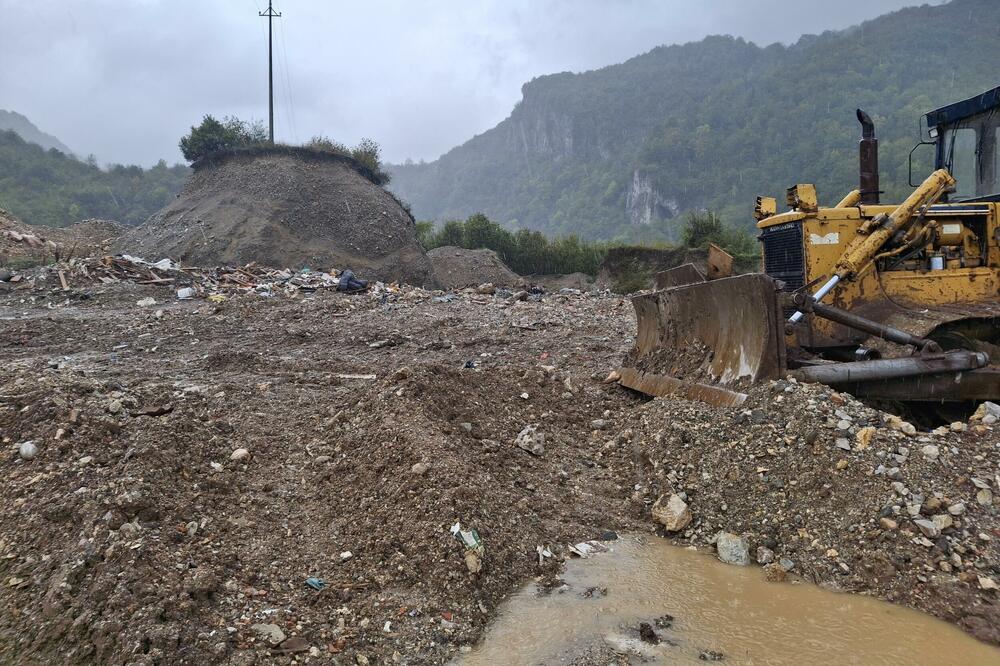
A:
x: 359, y: 457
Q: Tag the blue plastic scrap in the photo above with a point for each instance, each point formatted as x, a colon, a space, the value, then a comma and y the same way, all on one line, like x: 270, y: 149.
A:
x: 315, y: 583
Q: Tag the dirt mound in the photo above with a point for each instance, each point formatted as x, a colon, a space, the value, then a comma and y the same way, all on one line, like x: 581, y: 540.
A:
x: 285, y: 208
x: 557, y: 281
x: 456, y: 267
x: 26, y: 245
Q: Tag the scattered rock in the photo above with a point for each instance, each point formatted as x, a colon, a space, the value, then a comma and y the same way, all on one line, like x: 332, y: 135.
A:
x: 420, y: 468
x: 27, y: 450
x: 732, y: 549
x: 888, y: 523
x: 531, y: 440
x: 863, y: 438
x: 673, y: 513
x: 942, y: 521
x: 930, y: 451
x: 775, y: 573
x: 292, y: 645
x: 928, y: 528
x: 271, y: 633
x: 764, y: 555
x: 987, y: 583
x: 239, y: 454
x: 647, y: 634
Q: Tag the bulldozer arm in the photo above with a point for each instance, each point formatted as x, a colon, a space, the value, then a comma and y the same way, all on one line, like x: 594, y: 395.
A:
x: 707, y: 340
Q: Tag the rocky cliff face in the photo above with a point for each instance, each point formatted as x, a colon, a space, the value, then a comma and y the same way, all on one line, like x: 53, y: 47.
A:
x: 541, y: 132
x: 644, y: 203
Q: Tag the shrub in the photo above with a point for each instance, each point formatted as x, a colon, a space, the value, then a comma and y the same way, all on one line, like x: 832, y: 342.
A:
x: 525, y: 252
x: 213, y: 135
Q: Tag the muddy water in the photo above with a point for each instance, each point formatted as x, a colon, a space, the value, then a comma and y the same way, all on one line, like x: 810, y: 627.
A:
x: 716, y: 607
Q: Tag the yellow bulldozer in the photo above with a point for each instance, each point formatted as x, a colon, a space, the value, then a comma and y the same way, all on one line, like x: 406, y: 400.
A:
x: 892, y: 303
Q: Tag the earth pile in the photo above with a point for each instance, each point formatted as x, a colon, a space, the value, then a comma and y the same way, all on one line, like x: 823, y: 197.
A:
x: 456, y: 267
x: 285, y: 207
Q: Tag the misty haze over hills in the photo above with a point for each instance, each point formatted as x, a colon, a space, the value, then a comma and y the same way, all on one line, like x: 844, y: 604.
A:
x: 624, y: 150
x: 11, y: 120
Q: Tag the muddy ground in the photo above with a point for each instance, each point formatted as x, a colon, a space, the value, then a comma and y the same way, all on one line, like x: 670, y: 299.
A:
x: 196, y: 462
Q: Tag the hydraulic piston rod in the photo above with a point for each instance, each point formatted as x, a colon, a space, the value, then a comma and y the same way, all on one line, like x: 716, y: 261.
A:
x: 865, y: 325
x: 891, y: 368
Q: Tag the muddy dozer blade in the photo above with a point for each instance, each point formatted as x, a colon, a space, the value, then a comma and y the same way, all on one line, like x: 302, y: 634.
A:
x: 707, y: 340
x: 678, y: 277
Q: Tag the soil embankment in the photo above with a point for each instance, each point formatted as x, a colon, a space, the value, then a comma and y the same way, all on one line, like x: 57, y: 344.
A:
x: 285, y: 207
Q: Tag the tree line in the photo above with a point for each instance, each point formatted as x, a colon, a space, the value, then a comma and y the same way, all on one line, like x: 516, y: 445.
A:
x: 529, y: 252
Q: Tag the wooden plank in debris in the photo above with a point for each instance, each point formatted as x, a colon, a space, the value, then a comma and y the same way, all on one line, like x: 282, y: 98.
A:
x: 62, y: 280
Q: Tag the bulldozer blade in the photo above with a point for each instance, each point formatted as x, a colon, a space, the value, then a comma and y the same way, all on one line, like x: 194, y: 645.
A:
x: 720, y: 262
x: 707, y: 340
x: 678, y: 277
x: 661, y: 385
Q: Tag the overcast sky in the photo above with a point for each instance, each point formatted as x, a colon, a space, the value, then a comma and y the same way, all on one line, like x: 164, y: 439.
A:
x: 124, y: 79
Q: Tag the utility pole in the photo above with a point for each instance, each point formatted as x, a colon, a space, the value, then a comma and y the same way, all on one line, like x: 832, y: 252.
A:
x: 271, y: 15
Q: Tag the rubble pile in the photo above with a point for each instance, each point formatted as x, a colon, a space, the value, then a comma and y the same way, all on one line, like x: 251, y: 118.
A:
x: 24, y: 245
x: 813, y: 483
x: 325, y: 476
x: 222, y: 482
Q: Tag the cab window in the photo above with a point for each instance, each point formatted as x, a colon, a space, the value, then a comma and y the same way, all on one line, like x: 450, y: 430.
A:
x: 960, y: 147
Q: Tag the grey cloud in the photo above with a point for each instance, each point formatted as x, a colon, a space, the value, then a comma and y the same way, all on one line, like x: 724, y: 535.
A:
x: 124, y: 80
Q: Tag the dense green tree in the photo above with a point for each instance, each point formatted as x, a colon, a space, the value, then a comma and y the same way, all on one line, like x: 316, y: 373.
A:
x: 213, y: 135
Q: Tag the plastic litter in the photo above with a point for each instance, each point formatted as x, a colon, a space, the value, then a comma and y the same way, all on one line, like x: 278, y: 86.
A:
x: 474, y: 549
x: 315, y: 583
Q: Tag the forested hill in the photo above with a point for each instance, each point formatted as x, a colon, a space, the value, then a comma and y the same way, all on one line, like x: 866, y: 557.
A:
x: 624, y: 150
x: 51, y: 188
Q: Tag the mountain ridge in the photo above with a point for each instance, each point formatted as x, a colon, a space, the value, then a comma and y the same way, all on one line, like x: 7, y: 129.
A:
x: 623, y: 151
x: 16, y: 122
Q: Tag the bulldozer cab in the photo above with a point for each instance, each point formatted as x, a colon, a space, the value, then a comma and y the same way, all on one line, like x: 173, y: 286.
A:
x: 966, y: 136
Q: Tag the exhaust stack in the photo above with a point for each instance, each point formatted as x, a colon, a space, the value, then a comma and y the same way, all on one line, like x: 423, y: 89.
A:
x: 868, y: 160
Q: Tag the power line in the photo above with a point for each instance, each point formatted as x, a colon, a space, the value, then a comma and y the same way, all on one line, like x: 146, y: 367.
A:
x: 271, y: 15
x: 283, y: 39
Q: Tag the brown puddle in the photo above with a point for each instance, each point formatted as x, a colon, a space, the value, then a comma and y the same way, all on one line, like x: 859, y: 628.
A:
x: 716, y: 607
